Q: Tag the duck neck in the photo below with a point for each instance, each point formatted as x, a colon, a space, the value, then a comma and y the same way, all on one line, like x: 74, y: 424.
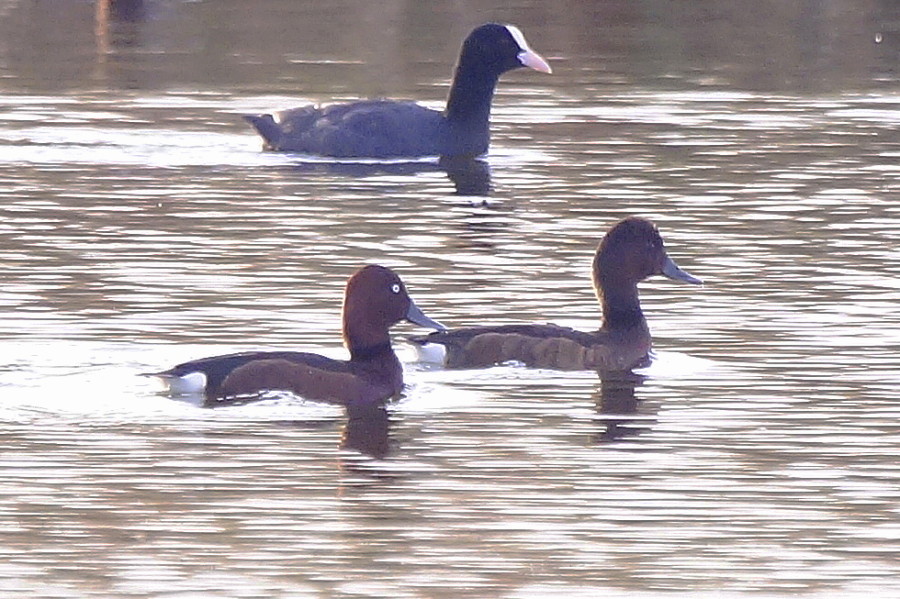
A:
x: 365, y: 353
x: 363, y: 338
x: 469, y: 101
x: 621, y: 306
x: 379, y: 365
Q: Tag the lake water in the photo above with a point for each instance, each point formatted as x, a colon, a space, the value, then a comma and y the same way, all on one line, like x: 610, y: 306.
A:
x: 141, y: 226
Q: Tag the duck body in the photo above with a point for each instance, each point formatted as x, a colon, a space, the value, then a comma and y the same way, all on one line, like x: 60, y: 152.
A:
x: 391, y: 128
x: 375, y: 300
x: 540, y: 346
x: 312, y: 376
x: 306, y: 374
x: 631, y: 251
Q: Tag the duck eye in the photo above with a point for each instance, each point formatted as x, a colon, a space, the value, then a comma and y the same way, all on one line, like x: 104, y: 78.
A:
x: 395, y: 288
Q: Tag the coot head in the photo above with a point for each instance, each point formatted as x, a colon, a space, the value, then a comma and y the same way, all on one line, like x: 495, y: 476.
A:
x: 500, y: 48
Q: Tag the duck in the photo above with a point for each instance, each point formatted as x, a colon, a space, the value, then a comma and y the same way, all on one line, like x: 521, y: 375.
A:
x: 631, y: 251
x: 382, y: 128
x: 375, y: 299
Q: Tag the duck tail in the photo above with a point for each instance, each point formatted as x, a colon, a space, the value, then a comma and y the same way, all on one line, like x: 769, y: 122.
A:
x: 266, y: 126
x: 165, y: 374
x: 427, y: 351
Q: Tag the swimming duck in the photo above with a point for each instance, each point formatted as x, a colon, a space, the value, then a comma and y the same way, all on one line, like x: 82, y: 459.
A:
x: 391, y: 128
x: 630, y: 252
x: 375, y: 299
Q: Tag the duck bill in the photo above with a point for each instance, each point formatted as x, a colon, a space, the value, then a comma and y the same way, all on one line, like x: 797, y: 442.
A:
x: 532, y: 60
x: 671, y: 270
x: 416, y: 316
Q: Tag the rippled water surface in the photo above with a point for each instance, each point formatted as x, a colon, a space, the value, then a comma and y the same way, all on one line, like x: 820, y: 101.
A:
x: 141, y: 225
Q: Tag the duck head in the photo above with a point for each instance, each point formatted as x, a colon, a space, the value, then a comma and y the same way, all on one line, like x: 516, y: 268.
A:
x: 376, y: 299
x: 632, y: 251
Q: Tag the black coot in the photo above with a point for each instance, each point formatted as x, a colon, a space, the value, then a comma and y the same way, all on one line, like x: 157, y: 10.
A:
x: 390, y: 128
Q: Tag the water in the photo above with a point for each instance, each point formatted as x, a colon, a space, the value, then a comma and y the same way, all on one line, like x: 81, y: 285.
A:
x: 141, y: 226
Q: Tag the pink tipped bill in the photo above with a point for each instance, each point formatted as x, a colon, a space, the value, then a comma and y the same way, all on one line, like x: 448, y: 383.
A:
x: 527, y: 56
x: 531, y: 60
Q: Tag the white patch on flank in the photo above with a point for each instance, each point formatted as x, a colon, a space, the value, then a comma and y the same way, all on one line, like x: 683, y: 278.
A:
x: 189, y: 384
x: 431, y: 353
x: 518, y: 37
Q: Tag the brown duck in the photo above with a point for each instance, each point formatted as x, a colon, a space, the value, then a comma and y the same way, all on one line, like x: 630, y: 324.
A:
x: 375, y: 299
x: 630, y: 252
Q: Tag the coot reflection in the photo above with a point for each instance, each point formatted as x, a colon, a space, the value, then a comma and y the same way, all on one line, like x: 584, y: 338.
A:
x: 469, y: 176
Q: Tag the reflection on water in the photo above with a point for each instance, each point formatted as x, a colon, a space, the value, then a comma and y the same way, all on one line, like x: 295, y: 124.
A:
x: 367, y: 431
x: 617, y: 406
x: 141, y: 226
x: 470, y: 177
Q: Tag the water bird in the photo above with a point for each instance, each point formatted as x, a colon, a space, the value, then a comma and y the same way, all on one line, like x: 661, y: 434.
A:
x: 631, y: 251
x: 391, y: 128
x: 375, y: 299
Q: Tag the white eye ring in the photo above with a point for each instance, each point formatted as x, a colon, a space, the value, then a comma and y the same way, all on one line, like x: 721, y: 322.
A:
x: 395, y: 288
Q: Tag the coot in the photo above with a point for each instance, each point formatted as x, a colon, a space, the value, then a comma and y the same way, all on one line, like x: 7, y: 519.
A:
x: 391, y: 128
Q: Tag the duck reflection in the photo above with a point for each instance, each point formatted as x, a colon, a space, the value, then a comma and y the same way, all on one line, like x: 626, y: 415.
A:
x: 470, y: 176
x: 120, y: 11
x: 115, y: 24
x: 117, y: 30
x: 367, y: 431
x: 617, y: 406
